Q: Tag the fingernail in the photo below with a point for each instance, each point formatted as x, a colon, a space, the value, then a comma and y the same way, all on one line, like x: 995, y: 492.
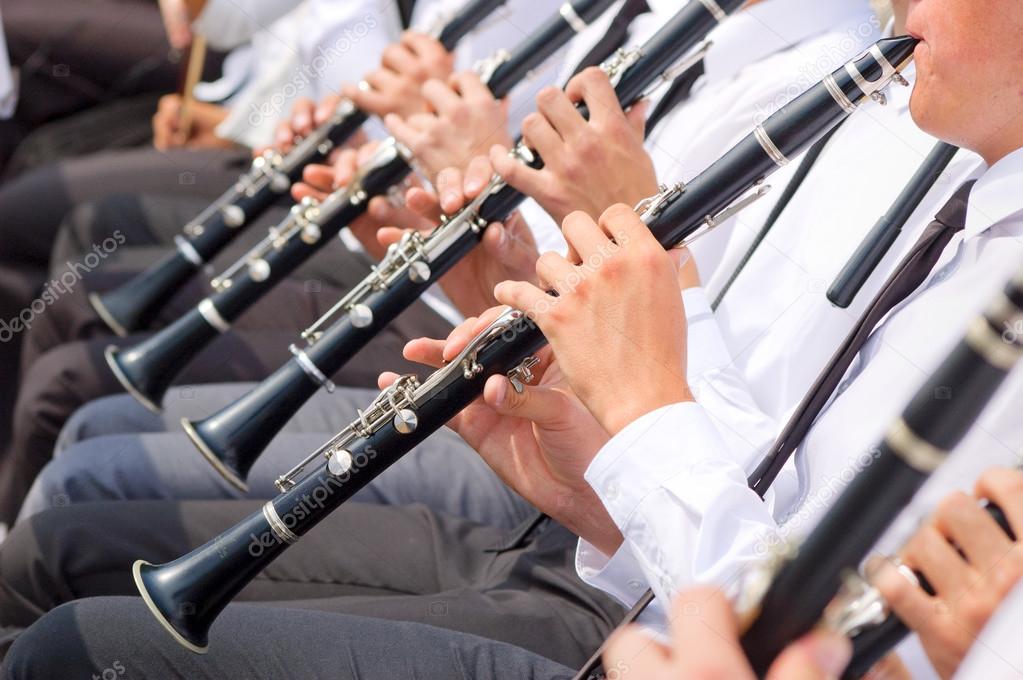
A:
x: 450, y: 197
x: 502, y: 393
x: 502, y: 236
x: 831, y: 653
x: 876, y: 564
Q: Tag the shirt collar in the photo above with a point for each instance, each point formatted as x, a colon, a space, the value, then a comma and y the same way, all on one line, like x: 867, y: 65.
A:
x: 996, y: 195
x: 776, y: 25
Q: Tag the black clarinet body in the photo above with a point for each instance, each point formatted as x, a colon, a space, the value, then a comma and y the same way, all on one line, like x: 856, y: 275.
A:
x: 233, y: 438
x: 411, y: 409
x: 913, y: 448
x: 146, y: 370
x: 134, y: 305
x: 883, y: 235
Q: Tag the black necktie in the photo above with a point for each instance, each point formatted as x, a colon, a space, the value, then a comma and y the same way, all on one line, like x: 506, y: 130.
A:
x: 679, y: 91
x: 908, y: 276
x: 405, y: 8
x: 616, y: 34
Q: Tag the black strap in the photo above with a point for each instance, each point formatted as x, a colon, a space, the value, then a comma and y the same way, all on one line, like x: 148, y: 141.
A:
x: 405, y: 9
x: 679, y: 91
x: 617, y: 34
x: 802, y: 171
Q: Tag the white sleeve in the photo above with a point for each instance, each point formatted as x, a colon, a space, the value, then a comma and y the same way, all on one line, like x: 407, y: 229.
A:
x: 228, y: 23
x: 8, y: 91
x: 996, y: 653
x: 720, y: 388
x: 682, y: 504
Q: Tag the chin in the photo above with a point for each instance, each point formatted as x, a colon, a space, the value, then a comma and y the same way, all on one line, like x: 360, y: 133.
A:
x: 926, y: 111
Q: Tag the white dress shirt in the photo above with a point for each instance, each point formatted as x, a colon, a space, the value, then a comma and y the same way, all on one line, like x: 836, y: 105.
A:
x: 296, y: 49
x: 669, y: 480
x: 8, y: 92
x: 997, y: 653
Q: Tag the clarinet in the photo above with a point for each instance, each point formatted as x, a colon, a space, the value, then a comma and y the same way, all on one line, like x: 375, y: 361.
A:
x: 133, y: 306
x: 884, y: 234
x: 872, y: 637
x: 146, y: 370
x: 410, y: 410
x: 233, y: 438
x: 913, y: 448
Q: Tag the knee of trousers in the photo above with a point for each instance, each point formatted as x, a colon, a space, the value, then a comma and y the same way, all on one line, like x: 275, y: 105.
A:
x: 55, y: 645
x: 106, y: 416
x: 54, y: 387
x: 32, y: 560
x: 59, y: 484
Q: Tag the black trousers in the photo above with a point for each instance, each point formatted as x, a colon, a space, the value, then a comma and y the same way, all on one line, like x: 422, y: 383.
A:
x: 115, y: 637
x: 75, y: 56
x: 60, y: 380
x: 33, y: 206
x: 396, y: 563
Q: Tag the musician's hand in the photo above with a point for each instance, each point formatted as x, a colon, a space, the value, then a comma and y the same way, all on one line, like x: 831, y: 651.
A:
x: 618, y: 325
x: 167, y: 131
x: 968, y: 586
x: 319, y: 181
x: 507, y: 251
x: 467, y: 122
x: 405, y: 66
x: 705, y: 644
x: 306, y: 115
x: 538, y: 442
x: 177, y: 22
x: 588, y: 165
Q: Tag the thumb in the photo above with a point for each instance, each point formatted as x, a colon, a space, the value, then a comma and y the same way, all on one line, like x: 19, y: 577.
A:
x: 817, y: 656
x: 507, y: 246
x: 636, y: 115
x: 540, y: 405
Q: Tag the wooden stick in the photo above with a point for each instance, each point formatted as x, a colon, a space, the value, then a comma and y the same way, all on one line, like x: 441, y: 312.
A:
x: 196, y: 61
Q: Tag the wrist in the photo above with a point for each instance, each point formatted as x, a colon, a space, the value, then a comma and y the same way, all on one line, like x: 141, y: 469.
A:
x: 621, y: 415
x: 580, y: 510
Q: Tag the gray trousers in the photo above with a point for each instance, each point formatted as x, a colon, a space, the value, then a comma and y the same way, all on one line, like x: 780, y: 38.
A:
x: 397, y: 563
x: 117, y: 637
x: 93, y: 464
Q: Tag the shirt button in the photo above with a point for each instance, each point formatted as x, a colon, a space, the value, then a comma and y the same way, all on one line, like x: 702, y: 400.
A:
x: 635, y: 585
x: 611, y: 491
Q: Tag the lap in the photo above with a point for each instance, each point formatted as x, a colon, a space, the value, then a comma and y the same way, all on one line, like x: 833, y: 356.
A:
x: 92, y: 636
x: 442, y: 473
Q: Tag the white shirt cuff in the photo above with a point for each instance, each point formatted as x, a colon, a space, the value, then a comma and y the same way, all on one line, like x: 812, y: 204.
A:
x: 628, y: 468
x: 706, y: 350
x: 619, y: 575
